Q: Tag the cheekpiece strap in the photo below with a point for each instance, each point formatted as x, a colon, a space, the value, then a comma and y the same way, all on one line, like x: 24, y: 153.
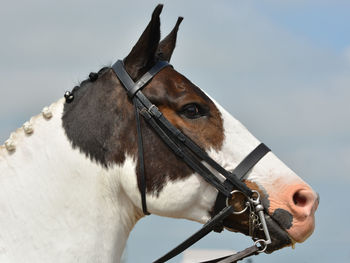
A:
x: 132, y: 88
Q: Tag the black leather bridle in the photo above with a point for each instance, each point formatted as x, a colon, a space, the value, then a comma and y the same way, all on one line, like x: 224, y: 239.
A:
x: 195, y: 157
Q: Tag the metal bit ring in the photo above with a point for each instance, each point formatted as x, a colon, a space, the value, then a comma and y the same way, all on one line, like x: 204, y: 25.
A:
x: 244, y: 209
x: 256, y: 200
x: 261, y: 245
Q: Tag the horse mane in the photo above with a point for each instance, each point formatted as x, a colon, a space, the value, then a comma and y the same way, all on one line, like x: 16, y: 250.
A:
x: 18, y: 136
x: 84, y: 82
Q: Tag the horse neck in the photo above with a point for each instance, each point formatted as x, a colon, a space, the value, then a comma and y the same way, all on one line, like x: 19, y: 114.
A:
x: 55, y: 203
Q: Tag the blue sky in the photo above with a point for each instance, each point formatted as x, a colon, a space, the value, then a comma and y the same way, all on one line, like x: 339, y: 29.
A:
x: 325, y: 23
x: 281, y: 67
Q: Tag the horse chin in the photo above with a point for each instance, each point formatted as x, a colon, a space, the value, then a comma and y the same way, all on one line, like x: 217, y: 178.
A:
x: 279, y: 237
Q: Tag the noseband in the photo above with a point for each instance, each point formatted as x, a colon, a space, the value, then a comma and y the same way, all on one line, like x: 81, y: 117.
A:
x: 194, y: 156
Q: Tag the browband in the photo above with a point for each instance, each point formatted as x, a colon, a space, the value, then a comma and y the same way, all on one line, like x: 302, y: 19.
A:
x: 131, y: 87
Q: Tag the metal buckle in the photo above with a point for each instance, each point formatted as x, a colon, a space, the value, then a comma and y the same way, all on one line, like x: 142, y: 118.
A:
x: 154, y: 111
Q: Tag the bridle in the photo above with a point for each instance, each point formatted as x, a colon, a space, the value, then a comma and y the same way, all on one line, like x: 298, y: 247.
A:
x: 195, y: 157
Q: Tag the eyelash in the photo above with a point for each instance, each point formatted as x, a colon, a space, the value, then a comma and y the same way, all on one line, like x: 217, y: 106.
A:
x: 197, y: 111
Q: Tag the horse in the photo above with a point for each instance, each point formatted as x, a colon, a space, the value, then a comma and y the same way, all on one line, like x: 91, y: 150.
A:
x: 76, y: 178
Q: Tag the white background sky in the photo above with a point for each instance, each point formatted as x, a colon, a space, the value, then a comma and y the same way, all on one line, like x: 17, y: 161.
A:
x: 280, y: 67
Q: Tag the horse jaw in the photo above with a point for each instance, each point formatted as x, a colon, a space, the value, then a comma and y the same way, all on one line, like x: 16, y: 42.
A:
x: 55, y: 203
x: 189, y: 198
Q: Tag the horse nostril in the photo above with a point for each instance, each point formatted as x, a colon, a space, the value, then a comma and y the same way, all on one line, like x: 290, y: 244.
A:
x: 299, y: 199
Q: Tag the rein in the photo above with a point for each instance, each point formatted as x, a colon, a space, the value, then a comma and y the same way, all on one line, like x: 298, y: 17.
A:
x: 194, y: 156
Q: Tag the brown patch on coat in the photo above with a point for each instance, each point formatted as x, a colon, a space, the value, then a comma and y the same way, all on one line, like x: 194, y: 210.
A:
x: 170, y: 91
x: 101, y: 123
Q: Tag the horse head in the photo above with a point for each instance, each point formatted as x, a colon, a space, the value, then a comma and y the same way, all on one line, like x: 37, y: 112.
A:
x: 100, y: 121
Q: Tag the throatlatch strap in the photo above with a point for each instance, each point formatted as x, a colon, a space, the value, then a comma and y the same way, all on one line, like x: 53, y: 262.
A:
x: 142, y: 178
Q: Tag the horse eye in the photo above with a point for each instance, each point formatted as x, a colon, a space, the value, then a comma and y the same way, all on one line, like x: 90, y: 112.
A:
x: 192, y: 111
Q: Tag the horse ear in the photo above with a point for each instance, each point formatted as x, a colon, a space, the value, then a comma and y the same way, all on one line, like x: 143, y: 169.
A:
x: 167, y: 45
x: 142, y: 55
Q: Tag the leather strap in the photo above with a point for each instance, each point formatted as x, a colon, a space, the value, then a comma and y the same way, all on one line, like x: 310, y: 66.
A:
x: 206, y: 229
x: 131, y: 87
x: 250, y: 160
x: 147, y: 77
x: 253, y: 250
x: 142, y: 177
